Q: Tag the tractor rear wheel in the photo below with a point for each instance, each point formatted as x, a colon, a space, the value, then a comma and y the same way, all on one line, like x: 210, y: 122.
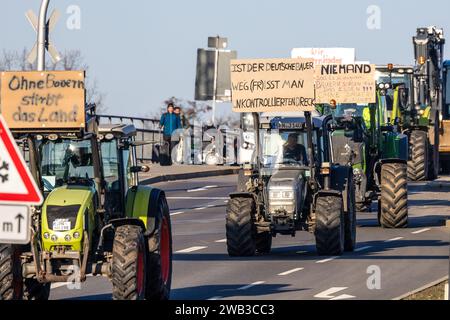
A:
x: 159, y: 259
x: 329, y: 230
x: 10, y: 273
x: 128, y: 263
x: 418, y: 165
x: 350, y: 217
x: 240, y: 227
x: 394, y: 196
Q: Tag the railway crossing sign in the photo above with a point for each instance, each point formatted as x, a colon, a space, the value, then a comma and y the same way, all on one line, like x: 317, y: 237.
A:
x: 33, y: 19
x: 17, y: 185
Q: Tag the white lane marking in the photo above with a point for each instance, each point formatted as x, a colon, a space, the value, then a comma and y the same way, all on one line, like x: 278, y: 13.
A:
x: 176, y: 213
x: 251, y: 285
x: 221, y: 240
x: 191, y: 249
x: 197, y: 198
x: 202, y: 188
x: 421, y: 230
x: 215, y: 298
x: 326, y: 260
x: 290, y: 271
x: 362, y: 248
x: 330, y: 294
x: 393, y: 239
x: 200, y: 208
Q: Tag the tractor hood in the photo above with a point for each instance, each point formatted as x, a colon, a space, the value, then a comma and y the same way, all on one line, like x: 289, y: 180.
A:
x: 287, y: 179
x: 66, y: 211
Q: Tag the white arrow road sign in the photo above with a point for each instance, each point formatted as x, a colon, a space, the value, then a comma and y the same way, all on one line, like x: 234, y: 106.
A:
x: 14, y: 224
x: 330, y: 294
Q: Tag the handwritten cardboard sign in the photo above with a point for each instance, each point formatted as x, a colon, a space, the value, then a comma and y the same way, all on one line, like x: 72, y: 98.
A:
x: 268, y: 85
x: 43, y: 100
x: 345, y: 83
x: 326, y: 55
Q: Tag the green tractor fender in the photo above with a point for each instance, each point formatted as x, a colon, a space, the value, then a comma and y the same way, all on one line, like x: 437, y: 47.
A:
x: 142, y: 208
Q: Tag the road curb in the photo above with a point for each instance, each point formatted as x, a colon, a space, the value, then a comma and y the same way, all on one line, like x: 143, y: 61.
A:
x: 428, y: 285
x: 190, y: 175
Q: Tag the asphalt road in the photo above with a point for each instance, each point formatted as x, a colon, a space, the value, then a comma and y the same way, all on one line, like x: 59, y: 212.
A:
x: 404, y: 259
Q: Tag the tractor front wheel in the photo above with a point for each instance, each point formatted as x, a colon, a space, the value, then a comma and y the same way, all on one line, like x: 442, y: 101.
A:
x: 10, y: 273
x: 240, y: 228
x: 128, y: 263
x: 329, y: 230
x: 394, y: 196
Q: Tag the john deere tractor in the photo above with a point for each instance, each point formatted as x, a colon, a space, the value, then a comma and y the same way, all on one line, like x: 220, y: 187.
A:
x: 291, y: 185
x: 362, y: 136
x: 96, y: 218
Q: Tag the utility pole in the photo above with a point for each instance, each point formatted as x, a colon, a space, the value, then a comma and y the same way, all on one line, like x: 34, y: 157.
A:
x: 216, y: 67
x: 42, y: 35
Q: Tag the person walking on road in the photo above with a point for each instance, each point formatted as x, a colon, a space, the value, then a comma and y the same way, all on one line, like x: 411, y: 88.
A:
x: 169, y: 123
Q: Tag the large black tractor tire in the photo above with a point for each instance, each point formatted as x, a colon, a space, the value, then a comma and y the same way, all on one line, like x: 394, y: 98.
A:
x: 159, y: 258
x: 418, y: 166
x: 240, y: 227
x: 264, y: 242
x: 11, y: 284
x: 394, y: 196
x: 129, y: 263
x: 350, y: 217
x: 34, y: 290
x: 329, y: 230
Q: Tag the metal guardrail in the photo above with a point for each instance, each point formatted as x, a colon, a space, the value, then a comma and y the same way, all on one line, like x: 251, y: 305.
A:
x: 149, y: 130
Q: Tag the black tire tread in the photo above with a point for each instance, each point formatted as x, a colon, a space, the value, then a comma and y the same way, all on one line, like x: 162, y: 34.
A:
x: 127, y: 242
x: 418, y: 165
x: 394, y: 196
x: 329, y: 230
x: 240, y: 228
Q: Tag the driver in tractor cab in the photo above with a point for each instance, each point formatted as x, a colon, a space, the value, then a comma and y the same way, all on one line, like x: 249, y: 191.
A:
x: 294, y: 151
x: 79, y: 162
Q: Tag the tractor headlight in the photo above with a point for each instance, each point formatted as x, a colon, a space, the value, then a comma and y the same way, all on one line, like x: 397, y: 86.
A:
x: 281, y: 194
x: 54, y: 238
x: 67, y: 237
x: 46, y: 235
x: 76, y: 235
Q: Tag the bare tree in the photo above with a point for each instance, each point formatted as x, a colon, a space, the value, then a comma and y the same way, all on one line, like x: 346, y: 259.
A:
x: 71, y: 60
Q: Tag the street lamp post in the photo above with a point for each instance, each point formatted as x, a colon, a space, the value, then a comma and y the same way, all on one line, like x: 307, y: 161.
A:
x: 42, y: 35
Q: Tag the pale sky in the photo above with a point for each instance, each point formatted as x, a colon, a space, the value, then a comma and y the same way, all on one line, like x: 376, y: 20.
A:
x: 143, y: 52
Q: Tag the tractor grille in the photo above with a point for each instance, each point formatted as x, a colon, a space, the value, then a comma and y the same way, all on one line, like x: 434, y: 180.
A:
x: 62, y: 212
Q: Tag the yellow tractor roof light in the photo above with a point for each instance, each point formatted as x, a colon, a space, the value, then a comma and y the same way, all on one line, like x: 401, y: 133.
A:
x: 390, y: 66
x: 333, y: 104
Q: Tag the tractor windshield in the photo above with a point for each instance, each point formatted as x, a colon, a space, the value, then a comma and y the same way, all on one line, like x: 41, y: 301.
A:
x: 284, y: 148
x: 65, y: 160
x: 349, y: 110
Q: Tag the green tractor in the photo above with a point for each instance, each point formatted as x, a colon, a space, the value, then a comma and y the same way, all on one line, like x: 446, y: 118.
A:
x: 95, y: 220
x: 290, y: 186
x: 363, y: 137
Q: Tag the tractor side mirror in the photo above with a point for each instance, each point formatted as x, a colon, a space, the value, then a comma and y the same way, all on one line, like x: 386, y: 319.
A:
x: 137, y: 169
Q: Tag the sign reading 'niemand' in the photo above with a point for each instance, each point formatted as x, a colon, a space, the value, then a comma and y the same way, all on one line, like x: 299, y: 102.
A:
x: 345, y: 83
x: 266, y: 85
x: 43, y: 100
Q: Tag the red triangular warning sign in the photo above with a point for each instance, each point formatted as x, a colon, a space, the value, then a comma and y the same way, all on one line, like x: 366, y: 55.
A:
x: 16, y: 182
